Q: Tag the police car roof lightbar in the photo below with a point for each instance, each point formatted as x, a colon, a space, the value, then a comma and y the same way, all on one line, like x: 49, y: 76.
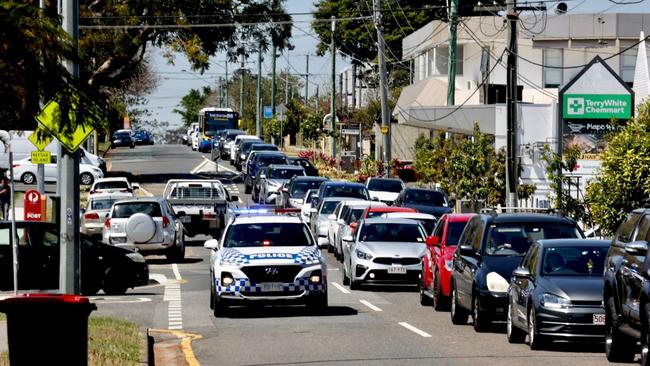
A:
x: 264, y: 210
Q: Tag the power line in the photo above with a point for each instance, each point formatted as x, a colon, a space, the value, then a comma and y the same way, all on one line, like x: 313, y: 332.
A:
x: 210, y: 25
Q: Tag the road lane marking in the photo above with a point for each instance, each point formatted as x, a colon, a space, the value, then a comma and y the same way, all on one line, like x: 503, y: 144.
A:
x: 415, y: 330
x: 371, y: 306
x: 226, y: 169
x: 118, y: 300
x: 332, y: 269
x: 177, y: 274
x: 199, y: 167
x: 145, y: 192
x: 158, y: 277
x: 174, y: 300
x: 340, y: 288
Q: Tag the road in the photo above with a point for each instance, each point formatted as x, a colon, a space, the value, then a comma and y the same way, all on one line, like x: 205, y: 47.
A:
x: 382, y: 325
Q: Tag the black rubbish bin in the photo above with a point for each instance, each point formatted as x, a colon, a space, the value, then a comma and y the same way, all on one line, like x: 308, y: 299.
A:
x: 47, y: 329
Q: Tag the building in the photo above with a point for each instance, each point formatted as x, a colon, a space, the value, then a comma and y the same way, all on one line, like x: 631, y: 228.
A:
x: 352, y: 87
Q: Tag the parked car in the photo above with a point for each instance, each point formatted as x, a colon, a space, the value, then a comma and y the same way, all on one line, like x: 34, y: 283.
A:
x: 384, y: 250
x: 341, y: 189
x: 149, y: 225
x: 143, y: 137
x: 294, y: 190
x: 429, y: 201
x: 102, y: 266
x: 226, y: 140
x: 96, y: 211
x: 349, y: 219
x: 428, y: 221
x: 122, y: 138
x: 234, y: 148
x: 556, y: 293
x: 626, y: 290
x: 384, y: 189
x: 489, y: 249
x: 437, y: 266
x: 310, y: 168
x: 273, y: 179
x: 27, y: 172
x: 115, y: 185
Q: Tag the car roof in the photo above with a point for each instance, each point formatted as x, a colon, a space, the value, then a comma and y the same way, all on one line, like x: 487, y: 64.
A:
x: 365, y: 204
x: 142, y: 199
x: 337, y: 199
x: 391, y: 209
x: 407, y: 189
x: 112, y: 179
x: 269, y: 153
x: 409, y: 215
x: 285, y: 166
x: 525, y: 218
x: 306, y: 177
x: 343, y: 183
x: 350, y: 201
x: 464, y: 217
x: 118, y: 196
x: 258, y: 219
x: 385, y: 178
x: 263, y: 144
x: 558, y: 243
x: 384, y: 220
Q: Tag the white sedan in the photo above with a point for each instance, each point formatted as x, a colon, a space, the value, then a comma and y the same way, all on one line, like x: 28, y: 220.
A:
x: 27, y: 172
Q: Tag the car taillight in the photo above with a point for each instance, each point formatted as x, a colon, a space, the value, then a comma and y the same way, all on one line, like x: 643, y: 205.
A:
x: 91, y: 216
x: 107, y: 223
x: 208, y: 216
x: 165, y: 222
x: 15, y: 165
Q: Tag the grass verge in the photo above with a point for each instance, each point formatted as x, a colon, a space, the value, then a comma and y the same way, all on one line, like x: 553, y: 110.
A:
x: 111, y: 342
x: 103, y: 147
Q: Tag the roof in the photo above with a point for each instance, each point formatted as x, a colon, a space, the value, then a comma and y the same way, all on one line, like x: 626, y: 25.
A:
x: 285, y: 166
x: 384, y: 220
x: 103, y: 196
x: 257, y: 219
x: 391, y: 209
x: 307, y: 177
x: 142, y: 199
x: 335, y: 199
x: 460, y: 217
x: 384, y: 178
x: 526, y: 217
x: 366, y: 204
x: 269, y: 152
x: 410, y: 215
x: 113, y: 179
x: 555, y: 243
x: 423, y: 189
x: 343, y: 183
x: 350, y: 201
x: 262, y: 144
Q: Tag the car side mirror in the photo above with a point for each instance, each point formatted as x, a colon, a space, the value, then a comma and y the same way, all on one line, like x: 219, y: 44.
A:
x: 521, y: 272
x: 211, y: 244
x: 637, y: 248
x: 347, y: 238
x: 234, y: 198
x: 433, y: 241
x: 466, y: 250
x: 181, y: 213
x: 331, y: 217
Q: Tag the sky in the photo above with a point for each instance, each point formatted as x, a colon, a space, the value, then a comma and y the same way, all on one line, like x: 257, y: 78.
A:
x: 176, y: 80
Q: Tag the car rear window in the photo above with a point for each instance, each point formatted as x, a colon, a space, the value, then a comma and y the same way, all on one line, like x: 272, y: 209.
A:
x: 111, y: 185
x: 385, y: 185
x: 271, y: 159
x: 299, y: 188
x: 268, y: 235
x: 196, y: 192
x: 284, y: 173
x: 346, y: 191
x: 125, y: 210
x: 431, y: 198
x: 515, y: 239
x: 101, y: 203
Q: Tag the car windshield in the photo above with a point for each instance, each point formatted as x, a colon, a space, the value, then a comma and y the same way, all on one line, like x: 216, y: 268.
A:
x: 430, y: 198
x: 122, y: 135
x: 574, y: 261
x: 126, y: 209
x: 264, y: 148
x: 101, y: 203
x: 112, y: 185
x: 515, y: 239
x: 385, y: 185
x: 454, y: 229
x: 328, y: 207
x: 246, y: 146
x: 284, y: 173
x: 299, y: 188
x: 268, y: 235
x: 265, y: 160
x: 392, y: 232
x: 346, y: 191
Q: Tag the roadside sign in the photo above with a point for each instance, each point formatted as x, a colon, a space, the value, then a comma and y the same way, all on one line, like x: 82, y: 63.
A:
x: 597, y: 106
x: 50, y: 118
x: 41, y: 157
x: 40, y: 138
x: 349, y: 131
x: 384, y: 130
x: 268, y: 112
x: 34, y: 206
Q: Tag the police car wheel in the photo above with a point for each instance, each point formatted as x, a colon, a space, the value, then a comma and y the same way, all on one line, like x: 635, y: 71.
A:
x: 317, y: 303
x: 220, y: 307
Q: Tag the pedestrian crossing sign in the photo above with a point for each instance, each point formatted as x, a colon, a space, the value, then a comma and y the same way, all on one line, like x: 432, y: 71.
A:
x: 40, y: 138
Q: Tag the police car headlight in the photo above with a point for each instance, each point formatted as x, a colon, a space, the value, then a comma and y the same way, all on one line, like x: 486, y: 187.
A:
x: 315, y: 277
x: 364, y: 255
x: 226, y: 279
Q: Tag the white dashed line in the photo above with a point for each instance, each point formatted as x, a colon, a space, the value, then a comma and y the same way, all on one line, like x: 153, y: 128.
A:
x: 200, y: 166
x: 340, y: 288
x: 415, y: 330
x: 177, y: 274
x: 371, y: 306
x: 332, y: 269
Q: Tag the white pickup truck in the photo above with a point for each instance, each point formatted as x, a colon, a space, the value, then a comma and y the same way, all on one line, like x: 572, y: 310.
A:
x: 202, y: 205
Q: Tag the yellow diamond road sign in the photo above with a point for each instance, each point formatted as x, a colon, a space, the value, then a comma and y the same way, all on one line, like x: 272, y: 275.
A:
x: 40, y: 138
x: 41, y: 157
x: 50, y: 117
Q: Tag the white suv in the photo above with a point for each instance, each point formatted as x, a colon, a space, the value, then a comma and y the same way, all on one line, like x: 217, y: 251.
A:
x: 147, y: 225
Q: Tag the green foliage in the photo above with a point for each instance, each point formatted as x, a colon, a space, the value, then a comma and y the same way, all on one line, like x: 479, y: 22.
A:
x: 311, y: 128
x: 271, y: 128
x: 191, y: 104
x: 569, y: 205
x: 625, y: 179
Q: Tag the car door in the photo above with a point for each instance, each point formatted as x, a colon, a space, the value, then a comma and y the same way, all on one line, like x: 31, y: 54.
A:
x: 521, y: 289
x: 467, y: 265
x: 631, y: 272
x: 625, y: 235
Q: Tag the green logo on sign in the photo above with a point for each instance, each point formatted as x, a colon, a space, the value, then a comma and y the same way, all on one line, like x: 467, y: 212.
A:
x: 597, y: 106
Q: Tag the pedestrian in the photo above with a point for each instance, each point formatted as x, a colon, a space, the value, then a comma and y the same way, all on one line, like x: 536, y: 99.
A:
x: 5, y: 198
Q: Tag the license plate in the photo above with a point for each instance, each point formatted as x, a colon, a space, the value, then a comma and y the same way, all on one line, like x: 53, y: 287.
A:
x: 397, y: 270
x: 272, y: 286
x: 599, y: 319
x: 185, y: 219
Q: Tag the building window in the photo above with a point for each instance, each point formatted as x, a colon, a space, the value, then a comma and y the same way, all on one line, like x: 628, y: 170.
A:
x: 442, y: 55
x: 430, y: 64
x: 628, y: 64
x: 552, y: 75
x: 422, y: 67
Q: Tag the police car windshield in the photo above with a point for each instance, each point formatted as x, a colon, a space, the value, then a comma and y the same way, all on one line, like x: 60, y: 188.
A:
x: 268, y: 235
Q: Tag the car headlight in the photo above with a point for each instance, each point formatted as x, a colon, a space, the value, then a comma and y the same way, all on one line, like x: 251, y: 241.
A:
x: 496, y: 283
x: 363, y: 255
x: 449, y: 265
x: 242, y: 156
x: 551, y: 301
x: 136, y: 257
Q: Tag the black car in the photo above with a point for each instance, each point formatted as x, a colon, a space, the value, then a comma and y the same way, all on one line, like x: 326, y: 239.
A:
x: 489, y: 249
x: 556, y: 292
x: 627, y: 290
x: 310, y: 168
x: 294, y: 191
x: 143, y: 138
x: 106, y: 267
x: 430, y: 201
x: 122, y: 139
x: 249, y: 146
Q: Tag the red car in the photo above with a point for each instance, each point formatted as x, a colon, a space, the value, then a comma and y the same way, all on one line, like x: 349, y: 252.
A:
x: 437, y: 264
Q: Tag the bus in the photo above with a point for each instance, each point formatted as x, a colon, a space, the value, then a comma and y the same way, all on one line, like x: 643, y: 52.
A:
x: 212, y: 120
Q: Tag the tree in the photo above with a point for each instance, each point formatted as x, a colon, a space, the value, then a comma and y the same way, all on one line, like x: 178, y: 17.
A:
x: 624, y: 182
x: 192, y: 103
x: 564, y: 201
x: 311, y: 128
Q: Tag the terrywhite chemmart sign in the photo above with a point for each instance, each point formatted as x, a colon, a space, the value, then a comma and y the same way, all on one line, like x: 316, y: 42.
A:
x: 597, y: 106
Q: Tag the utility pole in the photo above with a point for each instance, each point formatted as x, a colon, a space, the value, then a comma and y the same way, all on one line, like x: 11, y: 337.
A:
x: 451, y: 61
x: 354, y: 86
x: 383, y: 88
x: 241, y: 87
x: 306, y: 78
x: 258, y: 103
x: 40, y: 168
x: 220, y: 87
x: 317, y: 100
x: 512, y: 171
x: 69, y: 172
x: 333, y: 92
x: 273, y: 86
x: 226, y: 91
x: 286, y: 86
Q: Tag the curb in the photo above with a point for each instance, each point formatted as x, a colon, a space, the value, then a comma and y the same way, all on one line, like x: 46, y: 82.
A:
x: 171, y: 347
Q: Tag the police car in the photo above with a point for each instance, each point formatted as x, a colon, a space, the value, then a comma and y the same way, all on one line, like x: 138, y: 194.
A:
x: 264, y: 257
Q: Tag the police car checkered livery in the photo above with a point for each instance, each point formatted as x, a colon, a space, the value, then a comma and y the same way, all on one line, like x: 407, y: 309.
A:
x: 265, y: 257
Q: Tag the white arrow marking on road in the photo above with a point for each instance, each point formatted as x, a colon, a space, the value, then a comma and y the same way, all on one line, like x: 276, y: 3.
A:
x: 415, y: 330
x: 371, y: 306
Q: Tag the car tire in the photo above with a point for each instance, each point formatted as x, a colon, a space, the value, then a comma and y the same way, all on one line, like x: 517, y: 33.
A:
x: 132, y: 147
x: 28, y: 178
x: 220, y: 307
x: 211, y: 292
x: 514, y: 334
x: 535, y: 340
x: 346, y: 278
x: 247, y: 189
x: 113, y: 282
x: 440, y: 301
x: 177, y: 253
x: 86, y: 179
x: 330, y: 248
x: 619, y: 347
x: 480, y: 319
x: 317, y: 304
x: 424, y: 299
x: 355, y: 285
x: 459, y: 315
